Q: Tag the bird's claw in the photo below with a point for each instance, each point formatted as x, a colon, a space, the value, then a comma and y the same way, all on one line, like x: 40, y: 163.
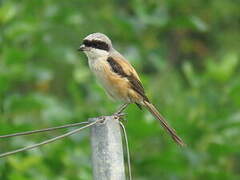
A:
x: 119, y: 116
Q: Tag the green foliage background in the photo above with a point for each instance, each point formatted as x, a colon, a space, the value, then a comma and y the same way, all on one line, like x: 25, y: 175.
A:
x: 186, y: 52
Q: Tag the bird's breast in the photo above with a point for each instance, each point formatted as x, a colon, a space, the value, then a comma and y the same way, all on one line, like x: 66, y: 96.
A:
x: 116, y: 86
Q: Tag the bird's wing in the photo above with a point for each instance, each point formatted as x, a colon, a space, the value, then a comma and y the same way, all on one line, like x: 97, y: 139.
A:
x: 123, y: 68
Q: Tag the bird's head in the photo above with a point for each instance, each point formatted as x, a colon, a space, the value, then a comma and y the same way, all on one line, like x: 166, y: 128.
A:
x: 96, y: 45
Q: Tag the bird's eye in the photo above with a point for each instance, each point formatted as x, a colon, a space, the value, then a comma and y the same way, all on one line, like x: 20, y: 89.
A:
x: 96, y: 44
x: 87, y: 43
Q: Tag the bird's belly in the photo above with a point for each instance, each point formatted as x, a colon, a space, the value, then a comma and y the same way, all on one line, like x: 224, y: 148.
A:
x: 115, y: 86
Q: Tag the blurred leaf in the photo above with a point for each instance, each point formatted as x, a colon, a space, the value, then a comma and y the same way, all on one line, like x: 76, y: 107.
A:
x: 222, y: 71
x: 199, y: 24
x: 190, y: 74
x: 7, y: 12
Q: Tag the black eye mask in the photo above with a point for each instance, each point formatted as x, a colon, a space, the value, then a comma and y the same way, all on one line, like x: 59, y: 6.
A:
x: 96, y: 44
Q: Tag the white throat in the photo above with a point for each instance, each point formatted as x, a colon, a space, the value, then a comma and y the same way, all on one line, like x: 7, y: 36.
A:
x: 96, y: 53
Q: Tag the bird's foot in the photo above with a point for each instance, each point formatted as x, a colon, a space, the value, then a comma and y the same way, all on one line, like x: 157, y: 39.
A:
x: 119, y: 116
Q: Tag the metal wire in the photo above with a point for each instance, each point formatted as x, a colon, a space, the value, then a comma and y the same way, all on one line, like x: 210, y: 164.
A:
x: 127, y: 149
x: 49, y: 140
x: 42, y: 130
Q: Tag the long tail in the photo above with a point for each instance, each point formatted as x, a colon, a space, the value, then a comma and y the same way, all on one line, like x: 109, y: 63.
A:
x: 164, y: 123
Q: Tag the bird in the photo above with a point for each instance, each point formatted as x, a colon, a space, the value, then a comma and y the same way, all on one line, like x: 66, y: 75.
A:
x: 118, y: 77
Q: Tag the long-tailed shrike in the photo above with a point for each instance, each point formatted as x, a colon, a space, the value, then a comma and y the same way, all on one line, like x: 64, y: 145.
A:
x: 118, y: 77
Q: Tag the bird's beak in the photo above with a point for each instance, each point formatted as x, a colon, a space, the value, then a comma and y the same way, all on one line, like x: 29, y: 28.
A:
x: 82, y: 48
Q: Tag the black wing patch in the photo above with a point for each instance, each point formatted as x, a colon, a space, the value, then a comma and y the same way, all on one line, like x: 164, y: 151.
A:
x: 135, y: 83
x: 116, y: 67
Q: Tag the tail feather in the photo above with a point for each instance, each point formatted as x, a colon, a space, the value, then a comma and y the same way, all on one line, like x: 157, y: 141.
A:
x: 164, y: 123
